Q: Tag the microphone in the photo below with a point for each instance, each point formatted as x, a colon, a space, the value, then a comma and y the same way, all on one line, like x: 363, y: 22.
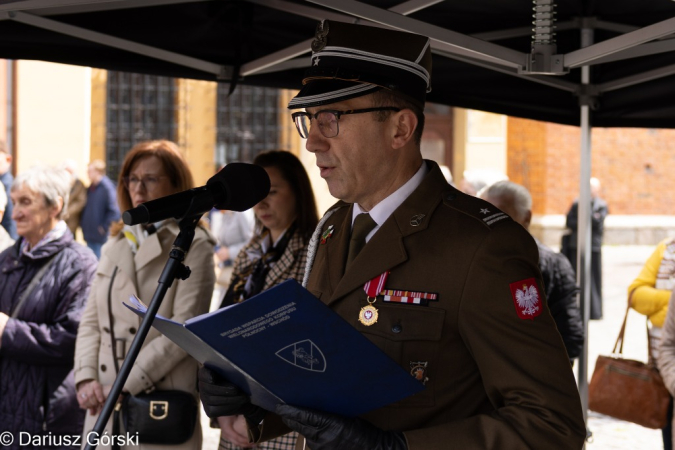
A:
x: 238, y: 187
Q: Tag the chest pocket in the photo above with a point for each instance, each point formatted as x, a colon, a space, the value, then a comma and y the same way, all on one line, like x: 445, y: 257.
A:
x: 411, y: 336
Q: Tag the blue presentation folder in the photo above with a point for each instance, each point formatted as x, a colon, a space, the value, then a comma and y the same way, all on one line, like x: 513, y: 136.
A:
x: 285, y: 346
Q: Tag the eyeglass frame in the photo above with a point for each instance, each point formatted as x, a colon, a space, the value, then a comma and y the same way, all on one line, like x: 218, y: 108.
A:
x: 337, y: 115
x: 142, y: 181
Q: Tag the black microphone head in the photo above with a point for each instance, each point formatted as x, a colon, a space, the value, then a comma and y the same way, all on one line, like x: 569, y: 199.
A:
x: 139, y: 214
x: 239, y: 186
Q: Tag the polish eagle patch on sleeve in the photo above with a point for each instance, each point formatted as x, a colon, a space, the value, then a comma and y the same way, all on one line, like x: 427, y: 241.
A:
x: 526, y: 298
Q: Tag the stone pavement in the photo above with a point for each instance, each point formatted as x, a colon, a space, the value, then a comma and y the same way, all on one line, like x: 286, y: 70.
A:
x: 621, y: 264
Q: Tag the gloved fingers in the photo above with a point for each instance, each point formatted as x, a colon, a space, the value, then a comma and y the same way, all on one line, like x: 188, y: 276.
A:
x: 214, y: 384
x: 229, y: 393
x: 306, y: 422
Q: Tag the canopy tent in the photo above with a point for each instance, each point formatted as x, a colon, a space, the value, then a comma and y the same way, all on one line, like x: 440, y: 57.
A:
x: 486, y: 62
x: 511, y: 57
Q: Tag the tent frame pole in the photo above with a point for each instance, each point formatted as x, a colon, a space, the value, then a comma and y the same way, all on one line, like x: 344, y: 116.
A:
x: 584, y: 229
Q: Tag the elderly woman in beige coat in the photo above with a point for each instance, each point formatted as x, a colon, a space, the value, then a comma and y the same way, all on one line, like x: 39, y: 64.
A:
x: 131, y: 263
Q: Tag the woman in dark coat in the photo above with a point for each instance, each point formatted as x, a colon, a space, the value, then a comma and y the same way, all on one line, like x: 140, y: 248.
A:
x: 39, y: 315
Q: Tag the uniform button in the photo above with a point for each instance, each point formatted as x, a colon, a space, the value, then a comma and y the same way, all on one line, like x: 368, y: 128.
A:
x: 106, y: 329
x: 132, y: 330
x: 103, y: 368
x: 16, y: 263
x: 397, y: 328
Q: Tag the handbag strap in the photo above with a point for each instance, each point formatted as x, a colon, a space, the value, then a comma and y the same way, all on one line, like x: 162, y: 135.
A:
x: 113, y: 346
x: 33, y: 283
x: 113, y: 341
x: 619, y: 340
x: 622, y: 331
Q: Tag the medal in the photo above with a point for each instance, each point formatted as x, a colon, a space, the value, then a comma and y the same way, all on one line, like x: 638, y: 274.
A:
x: 368, y: 314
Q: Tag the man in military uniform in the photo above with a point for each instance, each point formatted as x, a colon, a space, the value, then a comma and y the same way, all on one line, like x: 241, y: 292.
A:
x: 461, y: 305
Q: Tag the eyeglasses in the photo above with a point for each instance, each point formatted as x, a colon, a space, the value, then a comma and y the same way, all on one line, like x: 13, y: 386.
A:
x: 149, y: 183
x: 328, y: 120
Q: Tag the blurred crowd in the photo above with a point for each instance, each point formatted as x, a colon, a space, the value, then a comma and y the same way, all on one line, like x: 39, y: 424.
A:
x: 64, y: 332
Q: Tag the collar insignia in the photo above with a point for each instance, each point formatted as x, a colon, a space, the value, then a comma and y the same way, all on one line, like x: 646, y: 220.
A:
x: 416, y: 220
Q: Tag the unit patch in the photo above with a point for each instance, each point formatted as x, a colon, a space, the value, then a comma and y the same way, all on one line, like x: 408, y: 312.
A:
x: 526, y: 298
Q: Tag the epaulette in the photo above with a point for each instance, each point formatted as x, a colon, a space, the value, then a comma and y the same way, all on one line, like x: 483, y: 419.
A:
x: 477, y: 208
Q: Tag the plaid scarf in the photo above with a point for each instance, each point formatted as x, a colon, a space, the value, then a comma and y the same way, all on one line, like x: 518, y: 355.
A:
x: 252, y: 280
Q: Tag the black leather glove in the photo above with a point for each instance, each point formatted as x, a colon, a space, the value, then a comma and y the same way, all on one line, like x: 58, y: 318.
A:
x: 325, y: 431
x: 222, y: 398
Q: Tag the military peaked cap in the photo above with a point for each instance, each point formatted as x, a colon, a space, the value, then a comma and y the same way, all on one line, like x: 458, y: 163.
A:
x: 349, y: 61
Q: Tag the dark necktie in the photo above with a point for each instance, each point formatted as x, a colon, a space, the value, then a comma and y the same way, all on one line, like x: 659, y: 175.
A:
x: 363, y: 224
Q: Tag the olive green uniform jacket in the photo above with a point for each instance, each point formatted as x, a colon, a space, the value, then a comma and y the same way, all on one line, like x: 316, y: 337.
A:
x: 494, y: 380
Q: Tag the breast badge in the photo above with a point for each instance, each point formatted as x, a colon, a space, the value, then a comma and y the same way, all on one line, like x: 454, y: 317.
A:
x: 526, y: 298
x: 418, y: 369
x: 327, y: 234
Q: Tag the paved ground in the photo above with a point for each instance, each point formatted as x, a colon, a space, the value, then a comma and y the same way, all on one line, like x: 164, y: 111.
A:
x: 621, y: 266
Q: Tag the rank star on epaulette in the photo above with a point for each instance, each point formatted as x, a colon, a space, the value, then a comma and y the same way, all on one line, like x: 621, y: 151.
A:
x: 327, y: 234
x: 526, y: 298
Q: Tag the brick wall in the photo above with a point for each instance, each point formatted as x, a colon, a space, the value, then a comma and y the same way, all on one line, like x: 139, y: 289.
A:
x: 635, y: 166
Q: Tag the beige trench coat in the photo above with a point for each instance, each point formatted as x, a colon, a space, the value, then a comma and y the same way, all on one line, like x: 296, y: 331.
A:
x: 161, y: 364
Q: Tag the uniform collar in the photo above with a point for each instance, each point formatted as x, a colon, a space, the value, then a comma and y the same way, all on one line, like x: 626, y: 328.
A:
x: 381, y: 212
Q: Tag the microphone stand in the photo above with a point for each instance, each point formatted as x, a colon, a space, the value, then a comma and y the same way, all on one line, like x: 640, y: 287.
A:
x: 174, y: 269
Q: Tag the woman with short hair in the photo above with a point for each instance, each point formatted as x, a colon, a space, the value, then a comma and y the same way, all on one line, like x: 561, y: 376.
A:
x: 44, y: 282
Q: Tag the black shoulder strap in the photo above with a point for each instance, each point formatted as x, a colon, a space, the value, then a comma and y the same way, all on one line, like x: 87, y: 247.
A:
x: 33, y: 283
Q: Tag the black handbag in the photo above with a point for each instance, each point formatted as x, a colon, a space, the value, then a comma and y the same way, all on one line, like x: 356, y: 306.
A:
x: 159, y: 417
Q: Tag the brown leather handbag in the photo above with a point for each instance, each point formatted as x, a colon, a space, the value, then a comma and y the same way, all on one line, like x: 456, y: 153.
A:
x: 627, y: 389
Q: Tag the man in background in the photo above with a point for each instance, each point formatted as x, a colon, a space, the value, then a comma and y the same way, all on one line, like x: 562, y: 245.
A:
x: 7, y: 179
x: 599, y: 212
x: 100, y: 209
x: 77, y: 199
x: 556, y: 271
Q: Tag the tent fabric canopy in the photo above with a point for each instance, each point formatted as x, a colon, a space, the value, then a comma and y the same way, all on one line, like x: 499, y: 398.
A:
x: 266, y: 43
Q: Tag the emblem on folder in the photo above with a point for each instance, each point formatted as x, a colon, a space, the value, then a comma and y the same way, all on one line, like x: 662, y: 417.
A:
x: 304, y: 355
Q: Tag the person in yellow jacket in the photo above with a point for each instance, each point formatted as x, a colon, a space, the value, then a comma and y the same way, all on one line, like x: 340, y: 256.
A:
x: 649, y: 294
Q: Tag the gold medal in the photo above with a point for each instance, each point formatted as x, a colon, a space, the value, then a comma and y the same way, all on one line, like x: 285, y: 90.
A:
x: 368, y: 314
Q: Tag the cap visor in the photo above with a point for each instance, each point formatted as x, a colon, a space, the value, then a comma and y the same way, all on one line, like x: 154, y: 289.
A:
x: 323, y: 92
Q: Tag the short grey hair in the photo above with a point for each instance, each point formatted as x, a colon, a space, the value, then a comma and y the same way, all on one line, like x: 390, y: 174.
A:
x: 522, y: 200
x: 52, y: 183
x: 3, y: 197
